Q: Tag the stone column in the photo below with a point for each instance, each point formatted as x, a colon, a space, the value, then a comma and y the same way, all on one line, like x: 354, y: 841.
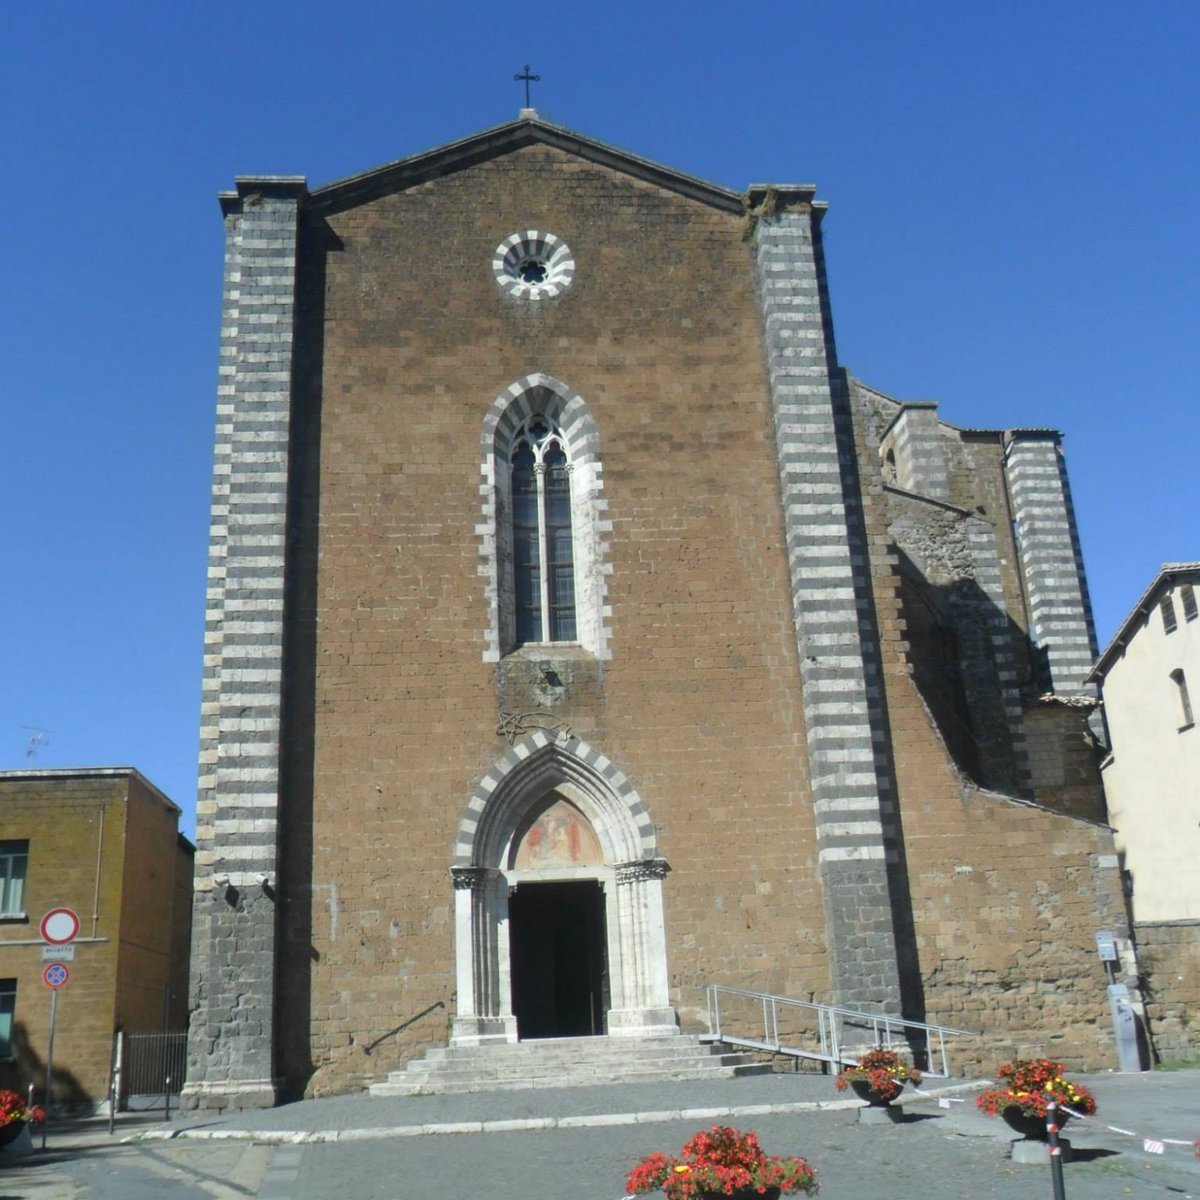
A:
x: 640, y: 1004
x: 839, y: 681
x: 484, y: 989
x: 1056, y: 592
x: 230, y: 1048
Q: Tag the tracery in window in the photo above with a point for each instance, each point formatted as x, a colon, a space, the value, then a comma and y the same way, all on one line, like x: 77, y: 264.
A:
x: 544, y: 533
x: 543, y: 549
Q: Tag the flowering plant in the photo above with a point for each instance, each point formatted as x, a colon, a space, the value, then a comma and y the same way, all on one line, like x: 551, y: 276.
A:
x: 883, y: 1071
x: 13, y: 1108
x: 1028, y: 1084
x: 724, y: 1161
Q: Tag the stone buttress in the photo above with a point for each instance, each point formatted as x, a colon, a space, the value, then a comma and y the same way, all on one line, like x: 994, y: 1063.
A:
x: 1060, y: 611
x: 230, y: 1050
x: 850, y: 787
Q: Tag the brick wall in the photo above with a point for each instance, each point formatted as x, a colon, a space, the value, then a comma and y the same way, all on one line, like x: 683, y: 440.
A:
x: 698, y: 704
x: 105, y: 845
x: 1169, y: 956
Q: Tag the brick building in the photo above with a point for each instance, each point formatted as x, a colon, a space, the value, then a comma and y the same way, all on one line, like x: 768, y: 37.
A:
x: 105, y: 843
x: 581, y: 633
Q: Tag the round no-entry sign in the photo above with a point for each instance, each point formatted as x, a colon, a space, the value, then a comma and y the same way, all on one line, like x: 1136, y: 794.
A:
x: 60, y: 926
x: 55, y: 975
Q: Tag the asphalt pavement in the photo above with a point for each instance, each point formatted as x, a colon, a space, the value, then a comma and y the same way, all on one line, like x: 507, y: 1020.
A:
x: 579, y: 1143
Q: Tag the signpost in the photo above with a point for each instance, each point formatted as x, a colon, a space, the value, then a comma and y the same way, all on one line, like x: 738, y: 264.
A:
x: 54, y: 976
x: 60, y: 927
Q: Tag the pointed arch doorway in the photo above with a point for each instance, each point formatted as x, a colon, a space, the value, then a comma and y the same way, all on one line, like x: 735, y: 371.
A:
x: 558, y: 901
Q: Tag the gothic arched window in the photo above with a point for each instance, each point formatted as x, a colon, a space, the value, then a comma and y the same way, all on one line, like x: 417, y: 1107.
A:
x: 543, y: 547
x: 544, y: 533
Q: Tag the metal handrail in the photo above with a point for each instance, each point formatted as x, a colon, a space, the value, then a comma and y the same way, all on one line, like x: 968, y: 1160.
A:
x: 885, y: 1030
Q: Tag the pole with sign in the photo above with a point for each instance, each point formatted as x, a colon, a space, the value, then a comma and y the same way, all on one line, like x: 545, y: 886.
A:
x: 59, y: 928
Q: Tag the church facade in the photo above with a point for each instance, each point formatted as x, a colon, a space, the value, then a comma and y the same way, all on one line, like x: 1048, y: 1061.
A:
x: 582, y: 633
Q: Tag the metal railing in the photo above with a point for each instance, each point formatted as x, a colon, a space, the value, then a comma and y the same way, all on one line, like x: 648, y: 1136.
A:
x: 153, y: 1065
x: 822, y: 1032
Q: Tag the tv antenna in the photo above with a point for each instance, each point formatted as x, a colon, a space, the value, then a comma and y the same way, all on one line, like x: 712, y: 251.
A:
x: 37, y: 737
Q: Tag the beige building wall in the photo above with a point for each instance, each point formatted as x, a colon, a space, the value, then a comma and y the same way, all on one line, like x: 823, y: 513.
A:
x: 1152, y: 779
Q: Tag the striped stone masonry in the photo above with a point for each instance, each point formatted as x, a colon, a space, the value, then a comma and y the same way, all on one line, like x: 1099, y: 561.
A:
x: 839, y: 680
x: 916, y: 438
x: 230, y: 1060
x: 1060, y: 611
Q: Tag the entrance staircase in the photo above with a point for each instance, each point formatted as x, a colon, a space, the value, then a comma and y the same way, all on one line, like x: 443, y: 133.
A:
x: 565, y: 1062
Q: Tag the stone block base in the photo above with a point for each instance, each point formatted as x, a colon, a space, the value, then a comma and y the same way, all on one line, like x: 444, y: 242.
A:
x: 1037, y: 1154
x: 873, y: 1114
x: 483, y: 1031
x: 642, y: 1022
x: 229, y: 1095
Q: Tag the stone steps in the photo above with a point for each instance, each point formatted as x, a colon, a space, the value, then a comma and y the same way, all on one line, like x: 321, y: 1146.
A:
x: 564, y: 1062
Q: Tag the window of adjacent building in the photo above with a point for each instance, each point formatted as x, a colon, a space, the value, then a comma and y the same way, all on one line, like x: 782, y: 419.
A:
x: 1167, y: 608
x: 1188, y: 598
x: 14, y: 859
x: 1185, y: 701
x: 543, y: 548
x: 8, y: 1008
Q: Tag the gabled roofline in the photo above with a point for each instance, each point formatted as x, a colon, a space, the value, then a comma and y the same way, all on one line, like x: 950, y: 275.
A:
x: 1168, y: 573
x: 527, y: 130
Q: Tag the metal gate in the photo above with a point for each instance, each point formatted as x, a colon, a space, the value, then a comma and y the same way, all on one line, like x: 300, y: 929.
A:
x: 152, y: 1066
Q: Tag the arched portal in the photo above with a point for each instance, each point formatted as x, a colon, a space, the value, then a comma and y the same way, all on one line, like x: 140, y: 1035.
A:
x: 558, y: 901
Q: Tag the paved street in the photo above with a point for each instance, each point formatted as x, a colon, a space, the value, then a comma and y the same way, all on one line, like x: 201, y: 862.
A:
x: 373, y: 1150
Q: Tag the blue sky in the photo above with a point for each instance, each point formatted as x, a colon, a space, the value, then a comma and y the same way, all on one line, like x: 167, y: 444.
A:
x: 1011, y: 233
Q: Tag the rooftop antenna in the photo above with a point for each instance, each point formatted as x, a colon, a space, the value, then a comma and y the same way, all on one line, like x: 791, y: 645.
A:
x: 37, y: 737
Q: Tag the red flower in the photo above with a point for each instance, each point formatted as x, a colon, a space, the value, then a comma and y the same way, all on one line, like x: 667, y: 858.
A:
x: 720, y: 1160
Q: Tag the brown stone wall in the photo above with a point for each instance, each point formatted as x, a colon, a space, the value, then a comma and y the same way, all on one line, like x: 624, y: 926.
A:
x: 1064, y: 760
x: 1005, y: 897
x: 699, y: 703
x: 1169, y: 957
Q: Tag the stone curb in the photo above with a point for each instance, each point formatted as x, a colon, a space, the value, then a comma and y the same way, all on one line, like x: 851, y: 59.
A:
x: 290, y: 1137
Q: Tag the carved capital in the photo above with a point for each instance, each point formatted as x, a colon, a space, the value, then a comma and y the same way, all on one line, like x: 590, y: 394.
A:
x: 471, y: 877
x: 641, y: 870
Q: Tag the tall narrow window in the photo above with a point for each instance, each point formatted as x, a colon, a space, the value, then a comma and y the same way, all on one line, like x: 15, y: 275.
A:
x: 1185, y: 701
x: 8, y: 1008
x: 1188, y: 596
x: 543, y: 545
x: 1167, y: 609
x: 14, y: 858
